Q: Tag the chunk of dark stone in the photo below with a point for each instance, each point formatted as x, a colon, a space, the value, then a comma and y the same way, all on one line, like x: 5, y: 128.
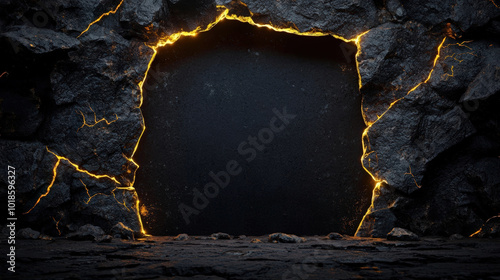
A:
x: 285, y: 238
x: 104, y: 239
x: 456, y: 236
x: 402, y: 234
x: 334, y: 236
x: 87, y: 232
x: 181, y: 237
x: 39, y: 40
x: 28, y: 233
x: 490, y: 229
x: 221, y: 235
x: 122, y: 231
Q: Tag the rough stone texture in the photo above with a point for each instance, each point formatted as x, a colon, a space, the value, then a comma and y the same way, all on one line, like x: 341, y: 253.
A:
x: 181, y: 237
x: 27, y: 233
x: 121, y: 231
x: 87, y: 232
x: 285, y: 238
x: 402, y: 234
x: 490, y: 229
x: 163, y: 258
x: 221, y: 235
x: 423, y: 149
x: 335, y: 236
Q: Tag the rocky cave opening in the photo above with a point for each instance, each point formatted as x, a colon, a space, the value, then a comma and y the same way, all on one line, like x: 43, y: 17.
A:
x: 220, y: 154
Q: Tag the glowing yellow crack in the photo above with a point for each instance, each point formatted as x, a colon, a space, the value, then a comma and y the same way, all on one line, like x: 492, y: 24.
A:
x: 455, y: 56
x: 99, y: 18
x: 365, y: 132
x: 76, y: 167
x: 413, y: 176
x: 57, y: 223
x: 88, y: 193
x: 95, y: 120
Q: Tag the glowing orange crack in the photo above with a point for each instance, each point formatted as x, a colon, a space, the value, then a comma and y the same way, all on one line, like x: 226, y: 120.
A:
x: 4, y: 73
x: 76, y: 167
x: 455, y: 56
x: 112, y: 193
x: 88, y: 193
x: 57, y: 223
x: 99, y: 18
x: 95, y: 120
x: 448, y: 75
x: 411, y: 174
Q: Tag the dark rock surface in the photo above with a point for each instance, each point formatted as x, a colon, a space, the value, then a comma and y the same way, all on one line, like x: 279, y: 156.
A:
x: 490, y: 229
x: 432, y: 136
x: 285, y: 238
x: 87, y: 232
x: 163, y: 258
x: 221, y: 236
x: 402, y: 234
x: 122, y: 231
x: 27, y: 233
x: 181, y: 237
x: 335, y: 236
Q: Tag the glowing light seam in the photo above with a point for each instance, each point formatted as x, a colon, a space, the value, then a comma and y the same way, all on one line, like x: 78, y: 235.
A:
x: 411, y: 174
x: 95, y: 120
x: 4, y: 73
x: 76, y: 167
x: 88, y: 193
x: 99, y: 18
x: 365, y: 132
x: 57, y: 224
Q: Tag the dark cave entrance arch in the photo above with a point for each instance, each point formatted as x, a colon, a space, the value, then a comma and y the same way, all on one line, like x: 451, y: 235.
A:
x: 203, y: 99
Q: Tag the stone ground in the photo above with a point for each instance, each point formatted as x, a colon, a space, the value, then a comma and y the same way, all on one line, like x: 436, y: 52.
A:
x: 202, y: 258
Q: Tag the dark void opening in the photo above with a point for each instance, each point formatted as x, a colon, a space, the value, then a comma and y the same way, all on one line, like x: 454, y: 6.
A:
x: 206, y: 95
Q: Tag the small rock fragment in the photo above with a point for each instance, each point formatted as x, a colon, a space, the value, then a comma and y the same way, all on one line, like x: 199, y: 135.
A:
x: 87, y: 232
x: 181, y: 237
x: 45, y: 237
x: 256, y: 240
x: 490, y: 229
x: 335, y: 236
x: 28, y: 233
x: 122, y: 231
x: 204, y: 238
x: 402, y: 234
x: 456, y: 236
x: 285, y: 238
x: 221, y: 235
x: 104, y: 239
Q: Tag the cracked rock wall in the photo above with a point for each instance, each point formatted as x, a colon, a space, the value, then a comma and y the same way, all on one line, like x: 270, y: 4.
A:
x: 430, y: 76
